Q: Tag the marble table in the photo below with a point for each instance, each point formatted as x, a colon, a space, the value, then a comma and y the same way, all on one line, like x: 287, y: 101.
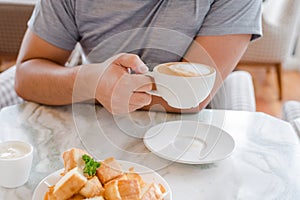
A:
x: 264, y: 165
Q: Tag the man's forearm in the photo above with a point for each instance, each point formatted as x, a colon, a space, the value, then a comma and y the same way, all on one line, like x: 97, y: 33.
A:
x: 45, y: 82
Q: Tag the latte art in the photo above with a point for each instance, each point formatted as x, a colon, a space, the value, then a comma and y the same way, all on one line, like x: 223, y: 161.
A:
x: 184, y: 69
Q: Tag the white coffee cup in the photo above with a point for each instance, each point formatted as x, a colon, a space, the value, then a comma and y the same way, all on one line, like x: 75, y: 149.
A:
x: 182, y: 84
x: 15, y: 163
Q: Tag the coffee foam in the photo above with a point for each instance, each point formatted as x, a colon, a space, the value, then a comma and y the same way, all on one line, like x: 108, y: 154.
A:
x: 184, y: 69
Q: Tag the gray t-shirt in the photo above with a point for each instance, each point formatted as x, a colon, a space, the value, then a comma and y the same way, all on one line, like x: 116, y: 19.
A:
x: 157, y: 30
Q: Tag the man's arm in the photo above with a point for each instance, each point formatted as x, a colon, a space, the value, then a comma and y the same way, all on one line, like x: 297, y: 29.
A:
x: 39, y: 64
x: 222, y: 52
x: 41, y: 77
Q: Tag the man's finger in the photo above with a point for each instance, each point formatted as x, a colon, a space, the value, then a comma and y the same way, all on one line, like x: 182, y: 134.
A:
x: 139, y: 99
x: 135, y: 82
x: 132, y: 61
x: 143, y: 83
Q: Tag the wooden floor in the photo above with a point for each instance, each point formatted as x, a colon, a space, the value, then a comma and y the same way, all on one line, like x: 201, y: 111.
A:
x: 266, y: 89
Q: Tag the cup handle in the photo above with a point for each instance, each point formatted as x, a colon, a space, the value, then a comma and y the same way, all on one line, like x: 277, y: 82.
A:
x: 148, y: 73
x: 152, y: 92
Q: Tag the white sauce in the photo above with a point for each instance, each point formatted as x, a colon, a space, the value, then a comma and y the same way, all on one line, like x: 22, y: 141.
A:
x: 12, y: 150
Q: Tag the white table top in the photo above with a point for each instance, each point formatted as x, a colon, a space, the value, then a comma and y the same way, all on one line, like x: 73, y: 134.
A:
x: 264, y: 165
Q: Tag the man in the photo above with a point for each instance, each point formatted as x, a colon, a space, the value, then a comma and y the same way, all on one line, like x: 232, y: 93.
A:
x: 130, y: 34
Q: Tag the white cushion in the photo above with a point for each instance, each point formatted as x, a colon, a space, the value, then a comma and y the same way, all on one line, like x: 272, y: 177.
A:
x: 291, y: 113
x: 236, y: 93
x: 296, y: 124
x: 8, y: 96
x: 291, y: 110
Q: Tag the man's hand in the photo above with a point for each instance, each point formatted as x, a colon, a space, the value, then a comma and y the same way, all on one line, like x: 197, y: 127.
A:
x: 118, y: 90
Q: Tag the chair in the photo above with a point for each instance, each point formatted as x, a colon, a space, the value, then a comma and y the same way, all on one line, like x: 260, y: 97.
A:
x: 13, y: 24
x: 236, y: 93
x: 8, y: 95
x: 291, y: 113
x: 280, y: 21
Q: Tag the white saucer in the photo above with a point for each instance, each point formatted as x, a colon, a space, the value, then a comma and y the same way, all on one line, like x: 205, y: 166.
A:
x: 189, y: 142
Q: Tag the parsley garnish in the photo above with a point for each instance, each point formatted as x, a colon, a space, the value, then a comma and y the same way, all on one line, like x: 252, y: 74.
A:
x: 90, y: 165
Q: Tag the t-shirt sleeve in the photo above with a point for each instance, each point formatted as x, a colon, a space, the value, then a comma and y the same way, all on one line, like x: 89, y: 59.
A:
x: 54, y: 21
x: 233, y: 17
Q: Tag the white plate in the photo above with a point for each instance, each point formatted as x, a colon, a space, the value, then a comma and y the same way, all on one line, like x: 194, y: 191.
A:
x: 189, y: 142
x: 147, y: 174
